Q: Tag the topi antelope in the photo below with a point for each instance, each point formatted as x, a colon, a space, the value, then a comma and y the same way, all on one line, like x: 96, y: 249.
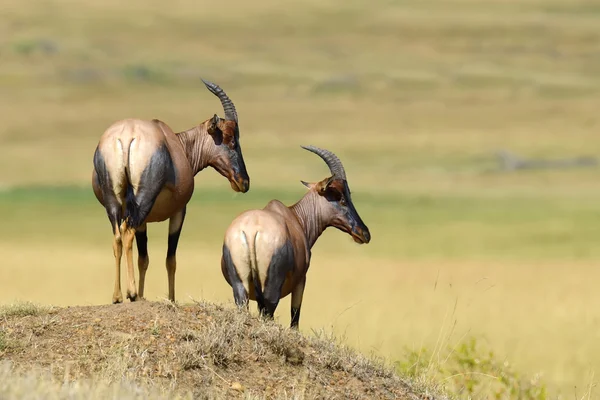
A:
x: 266, y: 253
x: 144, y: 172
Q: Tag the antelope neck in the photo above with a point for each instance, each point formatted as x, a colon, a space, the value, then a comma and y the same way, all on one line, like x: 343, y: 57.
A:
x: 197, y: 145
x: 311, y: 216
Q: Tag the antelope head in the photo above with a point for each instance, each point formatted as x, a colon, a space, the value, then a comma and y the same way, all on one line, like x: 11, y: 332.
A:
x: 226, y: 155
x: 336, y: 203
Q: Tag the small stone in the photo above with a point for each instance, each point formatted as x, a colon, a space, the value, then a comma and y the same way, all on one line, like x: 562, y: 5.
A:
x: 237, y: 386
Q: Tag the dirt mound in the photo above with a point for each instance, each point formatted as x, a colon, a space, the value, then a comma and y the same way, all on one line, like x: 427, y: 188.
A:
x: 204, y: 349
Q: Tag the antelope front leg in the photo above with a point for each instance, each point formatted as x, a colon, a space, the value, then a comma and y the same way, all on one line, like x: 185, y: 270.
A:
x: 141, y: 239
x: 128, y: 234
x: 175, y: 226
x: 297, y: 294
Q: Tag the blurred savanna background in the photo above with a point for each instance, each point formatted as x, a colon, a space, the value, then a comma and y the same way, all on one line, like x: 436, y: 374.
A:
x: 469, y: 131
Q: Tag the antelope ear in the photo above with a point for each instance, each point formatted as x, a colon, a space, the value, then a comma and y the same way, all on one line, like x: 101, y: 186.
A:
x: 213, y: 124
x: 329, y: 180
x: 308, y: 185
x: 213, y: 129
x: 324, y: 184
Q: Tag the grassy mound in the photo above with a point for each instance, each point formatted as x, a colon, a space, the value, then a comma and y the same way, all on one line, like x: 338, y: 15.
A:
x: 159, y: 350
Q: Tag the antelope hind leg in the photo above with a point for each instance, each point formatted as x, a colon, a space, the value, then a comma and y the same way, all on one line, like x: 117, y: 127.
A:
x: 281, y: 263
x: 114, y: 217
x: 117, y: 296
x: 128, y: 235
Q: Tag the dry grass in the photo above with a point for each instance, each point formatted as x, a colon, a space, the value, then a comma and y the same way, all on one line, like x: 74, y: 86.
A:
x: 23, y: 309
x: 204, y: 350
x: 36, y: 384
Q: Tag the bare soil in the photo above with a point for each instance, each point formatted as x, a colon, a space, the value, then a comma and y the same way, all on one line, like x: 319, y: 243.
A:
x: 207, y: 350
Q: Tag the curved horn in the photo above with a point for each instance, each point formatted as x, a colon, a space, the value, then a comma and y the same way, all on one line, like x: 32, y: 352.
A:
x: 228, y: 107
x: 332, y: 161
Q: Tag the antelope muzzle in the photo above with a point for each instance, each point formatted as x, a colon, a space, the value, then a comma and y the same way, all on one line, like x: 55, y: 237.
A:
x: 358, y: 230
x: 240, y: 182
x: 239, y: 179
x: 361, y: 234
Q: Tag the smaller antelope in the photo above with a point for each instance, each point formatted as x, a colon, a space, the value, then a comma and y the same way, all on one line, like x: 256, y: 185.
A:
x: 266, y: 253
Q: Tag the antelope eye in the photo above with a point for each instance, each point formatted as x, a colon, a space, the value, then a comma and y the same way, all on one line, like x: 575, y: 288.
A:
x: 343, y: 201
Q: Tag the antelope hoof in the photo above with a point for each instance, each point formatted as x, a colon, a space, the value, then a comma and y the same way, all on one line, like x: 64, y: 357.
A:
x: 132, y: 296
x: 117, y: 299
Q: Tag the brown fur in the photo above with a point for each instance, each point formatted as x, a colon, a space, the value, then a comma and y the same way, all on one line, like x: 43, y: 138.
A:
x: 144, y: 172
x: 146, y: 136
x: 274, y: 224
x: 255, y: 236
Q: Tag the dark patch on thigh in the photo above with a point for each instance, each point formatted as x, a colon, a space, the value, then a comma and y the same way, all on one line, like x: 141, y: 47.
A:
x: 102, y: 175
x: 160, y: 168
x: 282, y: 262
x: 229, y: 266
x: 109, y: 198
x: 239, y: 292
x: 159, y: 171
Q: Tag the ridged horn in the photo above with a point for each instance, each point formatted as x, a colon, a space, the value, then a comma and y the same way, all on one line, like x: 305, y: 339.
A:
x: 228, y: 107
x: 332, y: 161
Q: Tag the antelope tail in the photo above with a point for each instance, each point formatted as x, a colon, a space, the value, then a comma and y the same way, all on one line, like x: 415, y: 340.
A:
x: 132, y: 210
x: 258, y: 293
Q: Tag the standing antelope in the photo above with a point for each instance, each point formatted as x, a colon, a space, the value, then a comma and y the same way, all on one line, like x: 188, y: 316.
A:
x: 266, y: 253
x: 144, y: 172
